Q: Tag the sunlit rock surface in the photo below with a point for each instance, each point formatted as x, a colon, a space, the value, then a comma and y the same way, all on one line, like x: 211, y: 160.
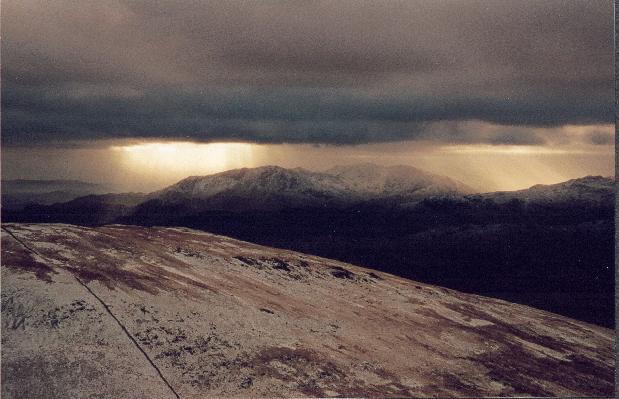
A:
x: 136, y: 312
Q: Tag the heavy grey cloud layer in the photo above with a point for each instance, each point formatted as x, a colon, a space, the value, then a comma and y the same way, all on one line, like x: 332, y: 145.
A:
x: 319, y: 72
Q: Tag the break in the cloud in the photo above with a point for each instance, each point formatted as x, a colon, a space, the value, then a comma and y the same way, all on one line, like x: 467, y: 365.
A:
x: 305, y: 72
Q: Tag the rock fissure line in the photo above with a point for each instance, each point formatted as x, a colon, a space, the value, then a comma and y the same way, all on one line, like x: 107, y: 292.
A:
x: 108, y: 310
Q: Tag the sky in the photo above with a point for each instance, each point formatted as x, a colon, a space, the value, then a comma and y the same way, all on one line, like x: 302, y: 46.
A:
x: 138, y: 94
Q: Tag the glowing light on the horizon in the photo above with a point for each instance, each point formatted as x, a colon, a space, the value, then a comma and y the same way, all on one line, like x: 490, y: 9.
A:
x: 147, y: 166
x: 151, y: 147
x: 510, y: 150
x: 182, y: 159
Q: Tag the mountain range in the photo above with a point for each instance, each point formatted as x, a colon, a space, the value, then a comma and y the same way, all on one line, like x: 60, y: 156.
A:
x: 549, y: 246
x: 271, y: 188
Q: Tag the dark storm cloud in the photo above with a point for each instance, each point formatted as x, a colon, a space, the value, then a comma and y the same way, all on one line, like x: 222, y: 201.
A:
x: 324, y: 72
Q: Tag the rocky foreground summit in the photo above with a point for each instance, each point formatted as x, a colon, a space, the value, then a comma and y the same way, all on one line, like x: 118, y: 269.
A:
x: 133, y: 312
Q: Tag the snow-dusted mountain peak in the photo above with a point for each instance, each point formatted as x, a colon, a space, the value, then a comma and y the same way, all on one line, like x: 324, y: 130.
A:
x: 396, y: 180
x: 275, y: 186
x: 589, y: 189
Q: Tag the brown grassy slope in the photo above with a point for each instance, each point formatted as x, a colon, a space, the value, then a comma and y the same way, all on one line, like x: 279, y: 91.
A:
x: 201, y: 315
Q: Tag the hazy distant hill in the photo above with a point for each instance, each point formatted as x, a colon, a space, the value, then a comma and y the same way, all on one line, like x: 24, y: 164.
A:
x: 41, y: 186
x: 88, y: 210
x: 18, y: 193
x: 134, y: 312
